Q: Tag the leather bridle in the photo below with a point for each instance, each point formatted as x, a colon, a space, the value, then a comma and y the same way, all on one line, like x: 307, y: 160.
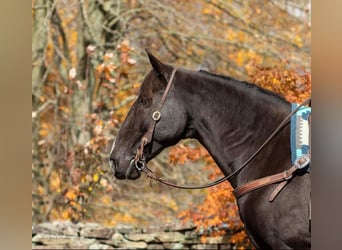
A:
x: 283, y: 178
x: 139, y: 159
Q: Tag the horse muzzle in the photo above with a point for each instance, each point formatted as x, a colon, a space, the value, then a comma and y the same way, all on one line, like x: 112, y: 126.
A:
x: 125, y: 169
x: 126, y: 166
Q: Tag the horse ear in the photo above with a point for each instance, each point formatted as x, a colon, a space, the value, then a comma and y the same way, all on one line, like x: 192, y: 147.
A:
x: 160, y: 68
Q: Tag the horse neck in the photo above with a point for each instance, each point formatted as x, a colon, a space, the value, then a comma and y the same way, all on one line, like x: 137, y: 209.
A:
x: 231, y: 119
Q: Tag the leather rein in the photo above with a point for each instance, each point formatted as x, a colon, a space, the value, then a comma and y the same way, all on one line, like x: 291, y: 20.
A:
x: 283, y: 178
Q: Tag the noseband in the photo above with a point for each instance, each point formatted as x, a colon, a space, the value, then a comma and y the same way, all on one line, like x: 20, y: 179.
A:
x: 139, y: 159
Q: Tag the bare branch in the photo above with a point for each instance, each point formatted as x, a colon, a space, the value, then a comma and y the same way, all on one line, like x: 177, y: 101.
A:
x: 89, y: 27
x: 43, y: 108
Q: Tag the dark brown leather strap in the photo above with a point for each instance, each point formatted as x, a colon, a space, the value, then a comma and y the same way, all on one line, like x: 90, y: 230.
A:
x: 283, y: 177
x: 259, y: 183
x: 277, y: 190
x: 147, y: 138
x: 156, y: 115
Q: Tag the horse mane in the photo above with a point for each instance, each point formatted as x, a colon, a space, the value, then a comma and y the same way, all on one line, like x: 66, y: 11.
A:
x: 245, y: 84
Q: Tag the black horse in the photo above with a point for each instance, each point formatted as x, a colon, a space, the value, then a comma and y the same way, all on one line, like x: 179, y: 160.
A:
x: 231, y: 119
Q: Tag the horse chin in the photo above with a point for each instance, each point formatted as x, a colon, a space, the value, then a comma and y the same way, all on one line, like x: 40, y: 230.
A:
x: 133, y: 175
x: 130, y: 175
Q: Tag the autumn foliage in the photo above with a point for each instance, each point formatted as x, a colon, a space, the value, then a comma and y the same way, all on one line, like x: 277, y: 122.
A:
x: 78, y: 172
x: 219, y: 209
x: 293, y: 84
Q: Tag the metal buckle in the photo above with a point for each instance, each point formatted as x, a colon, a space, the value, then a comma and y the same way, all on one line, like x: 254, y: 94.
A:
x: 156, y: 115
x: 302, y: 162
x: 140, y: 165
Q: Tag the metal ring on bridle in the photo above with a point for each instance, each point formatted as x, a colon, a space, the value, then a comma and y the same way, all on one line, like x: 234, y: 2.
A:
x: 140, y: 165
x: 156, y: 115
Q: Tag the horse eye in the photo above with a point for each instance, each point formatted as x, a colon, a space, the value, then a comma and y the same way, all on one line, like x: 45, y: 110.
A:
x: 144, y: 102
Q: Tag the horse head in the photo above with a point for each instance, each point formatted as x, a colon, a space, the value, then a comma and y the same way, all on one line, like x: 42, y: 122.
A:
x: 151, y: 124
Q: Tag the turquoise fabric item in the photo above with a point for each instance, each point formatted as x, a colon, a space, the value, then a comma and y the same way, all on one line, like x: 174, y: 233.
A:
x: 299, y: 132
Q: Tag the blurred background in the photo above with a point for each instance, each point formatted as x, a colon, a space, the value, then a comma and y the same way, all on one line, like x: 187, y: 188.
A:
x: 88, y: 61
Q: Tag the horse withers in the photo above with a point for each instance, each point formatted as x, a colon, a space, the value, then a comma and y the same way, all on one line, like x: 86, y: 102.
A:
x: 231, y: 119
